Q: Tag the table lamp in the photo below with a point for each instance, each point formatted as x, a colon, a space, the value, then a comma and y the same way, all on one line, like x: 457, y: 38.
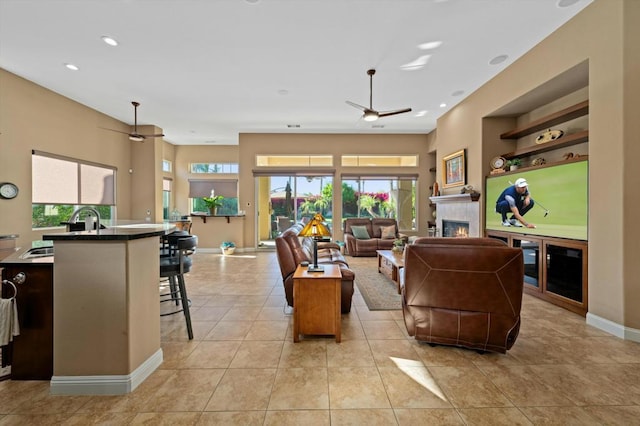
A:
x: 315, y: 229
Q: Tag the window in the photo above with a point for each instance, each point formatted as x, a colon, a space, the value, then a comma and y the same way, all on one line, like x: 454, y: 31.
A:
x: 214, y: 168
x: 61, y: 184
x: 380, y: 196
x: 380, y: 160
x: 166, y: 197
x: 204, y: 188
x: 166, y: 166
x: 294, y: 160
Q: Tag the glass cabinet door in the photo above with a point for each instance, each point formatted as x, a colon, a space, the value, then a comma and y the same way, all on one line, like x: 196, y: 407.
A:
x: 531, y: 257
x: 564, y: 271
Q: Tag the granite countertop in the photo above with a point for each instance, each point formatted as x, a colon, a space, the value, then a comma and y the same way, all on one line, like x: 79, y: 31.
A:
x: 115, y: 233
x: 16, y: 257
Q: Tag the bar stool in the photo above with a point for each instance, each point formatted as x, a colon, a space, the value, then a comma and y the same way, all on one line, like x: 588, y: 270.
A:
x: 173, y: 268
x: 168, y: 247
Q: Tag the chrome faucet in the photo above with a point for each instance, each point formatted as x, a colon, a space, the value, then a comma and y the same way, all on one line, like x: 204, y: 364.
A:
x: 75, y: 214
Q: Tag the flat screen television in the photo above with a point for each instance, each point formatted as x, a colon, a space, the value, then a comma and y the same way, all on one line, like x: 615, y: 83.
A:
x: 561, y: 195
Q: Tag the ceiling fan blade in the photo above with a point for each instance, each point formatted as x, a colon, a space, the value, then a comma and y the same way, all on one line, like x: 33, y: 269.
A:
x: 353, y: 104
x: 159, y: 135
x: 113, y: 130
x: 399, y: 111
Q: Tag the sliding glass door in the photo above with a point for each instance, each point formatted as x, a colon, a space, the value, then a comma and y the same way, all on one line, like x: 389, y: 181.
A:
x: 285, y: 200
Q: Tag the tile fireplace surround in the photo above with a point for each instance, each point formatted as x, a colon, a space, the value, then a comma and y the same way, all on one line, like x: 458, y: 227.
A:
x: 458, y: 207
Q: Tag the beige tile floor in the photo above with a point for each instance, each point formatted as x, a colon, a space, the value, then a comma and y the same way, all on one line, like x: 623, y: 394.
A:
x: 243, y: 368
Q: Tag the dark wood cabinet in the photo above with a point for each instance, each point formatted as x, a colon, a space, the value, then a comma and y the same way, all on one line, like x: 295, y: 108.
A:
x: 31, y: 353
x: 555, y: 269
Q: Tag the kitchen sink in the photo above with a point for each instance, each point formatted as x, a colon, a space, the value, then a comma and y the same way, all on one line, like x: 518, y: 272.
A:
x: 37, y: 252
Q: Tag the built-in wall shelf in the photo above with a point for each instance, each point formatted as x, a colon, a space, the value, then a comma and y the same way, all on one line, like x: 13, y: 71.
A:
x: 522, y: 169
x: 563, y: 142
x: 205, y: 216
x: 544, y: 123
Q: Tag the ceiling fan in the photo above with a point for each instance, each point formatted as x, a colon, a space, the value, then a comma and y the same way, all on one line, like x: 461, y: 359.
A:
x: 371, y: 114
x: 135, y: 136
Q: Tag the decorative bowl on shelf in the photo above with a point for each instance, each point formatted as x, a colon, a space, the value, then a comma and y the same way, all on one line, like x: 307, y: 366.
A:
x: 228, y: 247
x: 549, y: 135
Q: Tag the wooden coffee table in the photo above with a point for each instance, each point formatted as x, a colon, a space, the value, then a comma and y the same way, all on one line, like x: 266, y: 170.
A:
x: 389, y: 264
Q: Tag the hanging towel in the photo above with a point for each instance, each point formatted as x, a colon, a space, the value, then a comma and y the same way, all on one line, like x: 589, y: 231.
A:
x: 9, y: 326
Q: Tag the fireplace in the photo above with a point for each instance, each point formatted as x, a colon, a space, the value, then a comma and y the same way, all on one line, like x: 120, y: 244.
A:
x: 455, y: 228
x: 458, y: 208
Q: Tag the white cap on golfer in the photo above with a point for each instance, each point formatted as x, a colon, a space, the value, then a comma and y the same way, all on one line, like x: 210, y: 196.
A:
x: 521, y: 182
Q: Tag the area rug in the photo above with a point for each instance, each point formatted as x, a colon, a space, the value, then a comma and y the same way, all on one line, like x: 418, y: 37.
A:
x: 378, y: 291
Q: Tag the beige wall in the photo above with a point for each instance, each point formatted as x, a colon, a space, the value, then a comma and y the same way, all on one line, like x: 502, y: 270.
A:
x: 252, y: 144
x: 604, y: 33
x: 34, y: 118
x: 629, y: 162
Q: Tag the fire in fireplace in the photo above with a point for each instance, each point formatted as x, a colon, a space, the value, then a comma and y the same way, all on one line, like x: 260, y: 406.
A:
x: 454, y: 228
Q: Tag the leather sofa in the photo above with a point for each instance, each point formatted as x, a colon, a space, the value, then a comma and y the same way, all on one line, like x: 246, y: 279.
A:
x: 293, y: 250
x: 463, y: 292
x: 367, y: 247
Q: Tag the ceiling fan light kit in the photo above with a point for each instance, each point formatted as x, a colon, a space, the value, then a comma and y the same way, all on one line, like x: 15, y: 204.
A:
x: 370, y: 114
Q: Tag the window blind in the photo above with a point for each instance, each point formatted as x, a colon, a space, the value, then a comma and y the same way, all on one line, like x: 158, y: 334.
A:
x: 62, y: 180
x: 202, y: 188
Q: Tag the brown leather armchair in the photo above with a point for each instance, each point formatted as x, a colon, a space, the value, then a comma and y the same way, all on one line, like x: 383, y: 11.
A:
x: 291, y: 251
x: 466, y: 292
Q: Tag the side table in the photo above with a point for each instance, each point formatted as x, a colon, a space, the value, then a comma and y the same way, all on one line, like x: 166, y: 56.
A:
x: 316, y: 306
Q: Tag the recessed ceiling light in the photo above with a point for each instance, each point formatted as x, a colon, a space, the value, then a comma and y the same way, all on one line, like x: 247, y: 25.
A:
x: 421, y: 113
x: 293, y: 126
x: 498, y: 59
x: 457, y: 93
x: 283, y: 92
x: 429, y: 45
x: 443, y: 105
x: 110, y: 41
x: 417, y: 64
x: 252, y: 1
x: 72, y: 67
x: 567, y: 3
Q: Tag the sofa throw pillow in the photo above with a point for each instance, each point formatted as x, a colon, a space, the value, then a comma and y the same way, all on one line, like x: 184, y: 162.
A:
x: 388, y: 232
x: 360, y: 232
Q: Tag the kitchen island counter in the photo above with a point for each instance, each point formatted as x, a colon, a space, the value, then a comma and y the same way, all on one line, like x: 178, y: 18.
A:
x: 106, y: 308
x: 115, y: 233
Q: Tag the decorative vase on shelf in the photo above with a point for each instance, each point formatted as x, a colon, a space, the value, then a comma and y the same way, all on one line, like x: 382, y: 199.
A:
x: 213, y: 211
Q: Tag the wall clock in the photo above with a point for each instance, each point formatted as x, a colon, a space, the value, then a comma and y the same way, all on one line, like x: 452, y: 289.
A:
x: 8, y: 190
x: 498, y: 163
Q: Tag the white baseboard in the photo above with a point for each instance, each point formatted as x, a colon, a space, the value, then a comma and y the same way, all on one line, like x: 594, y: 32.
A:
x: 618, y: 330
x: 105, y: 385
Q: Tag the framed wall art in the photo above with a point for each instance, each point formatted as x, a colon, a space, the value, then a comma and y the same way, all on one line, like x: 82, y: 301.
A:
x: 454, y: 169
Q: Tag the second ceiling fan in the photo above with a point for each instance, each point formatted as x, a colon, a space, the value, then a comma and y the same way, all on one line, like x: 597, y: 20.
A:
x: 135, y: 136
x: 371, y: 114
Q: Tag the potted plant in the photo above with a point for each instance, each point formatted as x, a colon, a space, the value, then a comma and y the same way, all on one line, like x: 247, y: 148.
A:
x: 213, y: 202
x: 398, y: 246
x: 228, y: 247
x: 514, y: 163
